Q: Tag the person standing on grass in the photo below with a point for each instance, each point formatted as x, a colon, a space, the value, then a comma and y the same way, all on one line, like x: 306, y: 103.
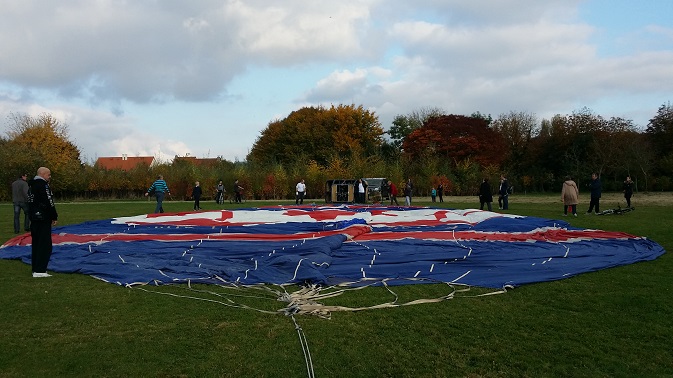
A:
x: 237, y: 192
x: 628, y: 190
x: 300, y: 193
x: 570, y: 195
x: 485, y: 195
x: 596, y: 189
x: 362, y: 190
x: 196, y: 194
x: 20, y: 200
x: 219, y: 197
x: 393, y: 193
x: 43, y: 216
x: 503, y: 194
x: 408, y: 191
x: 440, y: 192
x: 160, y: 189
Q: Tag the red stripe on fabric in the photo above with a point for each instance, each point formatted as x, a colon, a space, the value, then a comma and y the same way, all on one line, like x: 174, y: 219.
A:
x: 226, y: 215
x: 548, y: 235
x: 350, y: 232
x: 359, y: 233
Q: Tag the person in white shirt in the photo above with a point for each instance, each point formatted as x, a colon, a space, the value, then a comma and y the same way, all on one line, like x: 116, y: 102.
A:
x: 301, y: 192
x: 362, y: 198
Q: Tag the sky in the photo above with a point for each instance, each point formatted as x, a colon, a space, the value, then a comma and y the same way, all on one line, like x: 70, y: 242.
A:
x: 204, y: 78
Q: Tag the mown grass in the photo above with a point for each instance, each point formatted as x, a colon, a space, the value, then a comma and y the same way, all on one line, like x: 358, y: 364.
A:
x: 616, y: 322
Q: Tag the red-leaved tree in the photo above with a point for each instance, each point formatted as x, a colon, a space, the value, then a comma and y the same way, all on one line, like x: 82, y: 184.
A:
x: 456, y: 138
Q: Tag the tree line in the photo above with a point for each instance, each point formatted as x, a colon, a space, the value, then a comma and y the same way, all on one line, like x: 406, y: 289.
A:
x: 347, y: 141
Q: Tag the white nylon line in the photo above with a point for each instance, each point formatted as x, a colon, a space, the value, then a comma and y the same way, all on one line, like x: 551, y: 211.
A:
x: 122, y: 259
x: 432, y: 267
x: 417, y: 273
x: 297, y: 269
x: 466, y: 273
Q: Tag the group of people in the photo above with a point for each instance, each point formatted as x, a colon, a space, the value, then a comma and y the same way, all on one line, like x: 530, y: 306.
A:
x: 393, y: 192
x: 486, y: 195
x: 35, y: 198
x: 570, y: 194
x: 159, y: 189
x: 439, y: 191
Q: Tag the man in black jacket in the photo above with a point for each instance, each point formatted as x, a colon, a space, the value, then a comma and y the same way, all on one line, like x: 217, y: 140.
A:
x: 596, y: 189
x: 43, y: 216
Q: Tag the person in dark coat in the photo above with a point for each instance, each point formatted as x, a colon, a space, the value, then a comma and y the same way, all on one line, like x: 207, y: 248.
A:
x: 237, y: 192
x: 43, y: 216
x: 485, y: 195
x: 628, y: 190
x: 596, y: 189
x: 196, y: 194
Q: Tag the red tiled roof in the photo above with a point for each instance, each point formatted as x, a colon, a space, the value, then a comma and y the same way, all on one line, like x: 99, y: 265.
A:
x: 197, y: 161
x: 125, y: 163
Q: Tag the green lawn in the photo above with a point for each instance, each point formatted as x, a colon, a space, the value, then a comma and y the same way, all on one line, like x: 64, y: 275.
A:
x: 612, y: 323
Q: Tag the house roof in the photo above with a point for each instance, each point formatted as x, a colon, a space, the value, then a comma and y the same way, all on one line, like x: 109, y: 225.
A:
x: 197, y: 161
x: 125, y: 163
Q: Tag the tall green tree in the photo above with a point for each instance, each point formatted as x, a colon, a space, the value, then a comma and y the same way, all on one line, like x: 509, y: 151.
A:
x: 517, y: 129
x: 403, y: 125
x: 660, y: 132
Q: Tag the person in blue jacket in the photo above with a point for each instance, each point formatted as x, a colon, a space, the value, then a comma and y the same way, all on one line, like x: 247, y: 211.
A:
x: 160, y: 189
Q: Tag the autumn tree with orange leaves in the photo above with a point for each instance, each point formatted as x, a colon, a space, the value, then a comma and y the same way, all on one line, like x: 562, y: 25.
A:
x: 42, y: 140
x: 319, y: 134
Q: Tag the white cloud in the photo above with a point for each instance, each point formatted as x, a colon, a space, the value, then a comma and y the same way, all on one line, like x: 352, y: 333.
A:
x: 128, y: 76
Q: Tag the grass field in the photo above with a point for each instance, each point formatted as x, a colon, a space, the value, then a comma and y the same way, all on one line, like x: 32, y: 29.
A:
x: 613, y: 323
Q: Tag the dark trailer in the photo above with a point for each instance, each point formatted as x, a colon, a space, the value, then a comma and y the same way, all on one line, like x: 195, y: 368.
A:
x: 340, y: 191
x: 343, y: 190
x: 377, y: 189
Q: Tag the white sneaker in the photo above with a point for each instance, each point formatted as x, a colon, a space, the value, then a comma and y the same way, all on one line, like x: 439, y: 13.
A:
x: 41, y: 275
